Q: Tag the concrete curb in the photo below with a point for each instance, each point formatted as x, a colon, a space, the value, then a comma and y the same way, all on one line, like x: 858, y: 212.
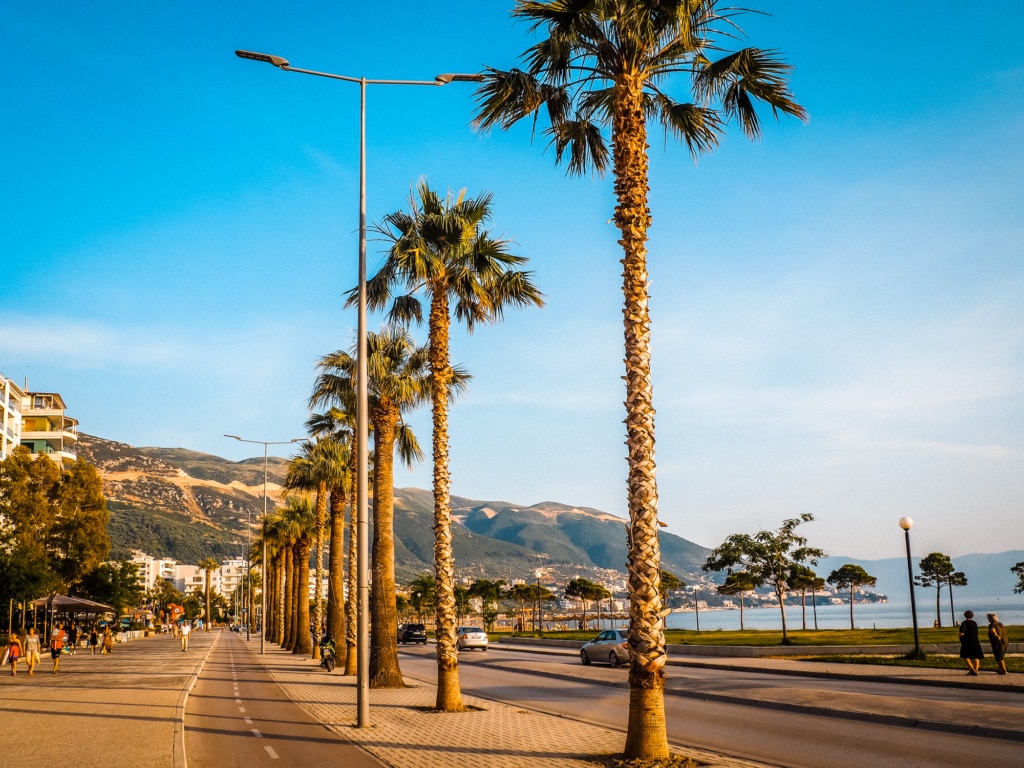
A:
x: 821, y: 711
x: 179, y: 758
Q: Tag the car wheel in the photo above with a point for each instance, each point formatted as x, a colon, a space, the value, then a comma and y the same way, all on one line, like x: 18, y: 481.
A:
x: 484, y: 649
x: 584, y: 659
x: 613, y: 659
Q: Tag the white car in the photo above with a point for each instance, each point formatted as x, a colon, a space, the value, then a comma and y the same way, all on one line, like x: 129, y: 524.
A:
x: 470, y: 637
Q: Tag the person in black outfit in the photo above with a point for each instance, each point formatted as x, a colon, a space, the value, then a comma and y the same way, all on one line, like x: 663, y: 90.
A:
x: 970, y: 646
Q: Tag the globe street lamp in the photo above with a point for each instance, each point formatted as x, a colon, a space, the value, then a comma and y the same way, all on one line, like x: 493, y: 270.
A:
x: 248, y: 550
x: 362, y: 396
x: 906, y: 524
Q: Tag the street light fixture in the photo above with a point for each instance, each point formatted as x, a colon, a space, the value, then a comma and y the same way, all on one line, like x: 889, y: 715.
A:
x: 248, y: 550
x: 906, y: 524
x: 362, y: 396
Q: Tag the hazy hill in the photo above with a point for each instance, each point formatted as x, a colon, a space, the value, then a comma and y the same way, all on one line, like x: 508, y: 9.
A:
x: 190, y: 505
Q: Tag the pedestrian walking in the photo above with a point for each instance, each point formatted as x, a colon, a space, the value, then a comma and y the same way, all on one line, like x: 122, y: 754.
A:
x: 999, y: 641
x: 970, y: 646
x: 13, y: 652
x: 57, y: 639
x: 32, y: 650
x: 186, y: 630
x: 94, y: 639
x: 108, y: 641
x: 73, y: 633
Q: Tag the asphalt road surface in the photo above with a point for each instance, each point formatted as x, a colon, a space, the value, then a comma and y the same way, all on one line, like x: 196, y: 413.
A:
x: 698, y: 716
x: 238, y: 716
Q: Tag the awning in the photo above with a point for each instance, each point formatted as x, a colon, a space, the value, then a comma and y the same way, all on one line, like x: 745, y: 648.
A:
x: 72, y: 604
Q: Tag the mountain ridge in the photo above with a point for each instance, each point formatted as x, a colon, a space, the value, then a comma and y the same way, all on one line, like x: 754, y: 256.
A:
x: 175, y: 502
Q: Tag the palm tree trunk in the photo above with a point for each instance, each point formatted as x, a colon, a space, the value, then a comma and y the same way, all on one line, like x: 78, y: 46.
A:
x: 302, y: 643
x: 384, y: 669
x: 318, y: 587
x: 281, y: 596
x: 646, y: 735
x: 336, y: 571
x: 449, y: 691
x: 351, y: 647
x: 289, y: 600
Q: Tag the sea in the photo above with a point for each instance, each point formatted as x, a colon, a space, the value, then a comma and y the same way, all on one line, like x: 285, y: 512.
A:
x: 865, y: 615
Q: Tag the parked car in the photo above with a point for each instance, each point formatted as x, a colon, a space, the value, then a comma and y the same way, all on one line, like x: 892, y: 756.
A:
x: 470, y: 637
x: 611, y: 646
x: 412, y: 633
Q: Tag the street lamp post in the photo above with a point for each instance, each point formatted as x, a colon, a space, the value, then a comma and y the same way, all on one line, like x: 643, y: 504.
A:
x: 906, y: 524
x: 248, y: 551
x: 696, y: 607
x: 362, y: 396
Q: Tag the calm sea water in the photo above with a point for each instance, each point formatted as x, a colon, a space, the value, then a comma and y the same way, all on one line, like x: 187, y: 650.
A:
x: 865, y: 615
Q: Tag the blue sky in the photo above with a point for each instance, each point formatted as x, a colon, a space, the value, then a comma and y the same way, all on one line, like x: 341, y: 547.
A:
x: 837, y: 311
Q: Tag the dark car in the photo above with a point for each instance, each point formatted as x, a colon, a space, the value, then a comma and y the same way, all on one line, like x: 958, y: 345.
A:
x: 412, y: 633
x: 611, y: 646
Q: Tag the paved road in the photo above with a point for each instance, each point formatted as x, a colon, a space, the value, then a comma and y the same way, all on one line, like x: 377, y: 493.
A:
x: 238, y: 716
x: 792, y: 721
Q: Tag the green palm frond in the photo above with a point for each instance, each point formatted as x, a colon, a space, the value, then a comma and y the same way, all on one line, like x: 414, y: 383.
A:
x: 700, y: 127
x: 584, y: 143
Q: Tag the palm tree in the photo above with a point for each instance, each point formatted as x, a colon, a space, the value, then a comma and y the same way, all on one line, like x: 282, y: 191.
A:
x: 297, y: 521
x: 322, y: 465
x: 603, y: 67
x: 441, y: 250
x: 339, y: 423
x: 398, y: 380
x: 208, y: 566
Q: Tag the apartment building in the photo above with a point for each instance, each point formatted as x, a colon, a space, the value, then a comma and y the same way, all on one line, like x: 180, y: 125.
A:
x: 45, y: 428
x: 11, y: 397
x: 152, y: 569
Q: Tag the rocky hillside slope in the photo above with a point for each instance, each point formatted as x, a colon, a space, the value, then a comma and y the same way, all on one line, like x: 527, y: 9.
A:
x: 189, y: 505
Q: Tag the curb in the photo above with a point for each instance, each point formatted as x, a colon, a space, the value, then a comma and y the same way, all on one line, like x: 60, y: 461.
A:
x: 179, y: 758
x: 839, y: 714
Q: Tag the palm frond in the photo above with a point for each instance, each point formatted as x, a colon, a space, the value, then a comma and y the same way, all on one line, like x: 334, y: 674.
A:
x: 700, y: 127
x: 585, y: 144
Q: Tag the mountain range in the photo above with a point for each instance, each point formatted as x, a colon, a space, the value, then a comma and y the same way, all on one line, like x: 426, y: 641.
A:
x: 186, y: 505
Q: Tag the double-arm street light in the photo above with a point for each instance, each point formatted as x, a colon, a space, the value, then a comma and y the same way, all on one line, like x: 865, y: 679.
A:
x: 248, y: 551
x: 362, y: 397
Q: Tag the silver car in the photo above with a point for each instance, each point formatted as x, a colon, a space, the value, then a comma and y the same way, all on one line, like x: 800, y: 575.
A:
x: 611, y: 646
x: 470, y: 637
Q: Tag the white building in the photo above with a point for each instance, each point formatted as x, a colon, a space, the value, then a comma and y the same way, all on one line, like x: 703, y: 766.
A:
x: 11, y: 397
x: 46, y: 429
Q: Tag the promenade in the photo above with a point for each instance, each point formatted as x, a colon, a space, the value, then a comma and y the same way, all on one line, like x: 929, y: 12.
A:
x: 132, y: 707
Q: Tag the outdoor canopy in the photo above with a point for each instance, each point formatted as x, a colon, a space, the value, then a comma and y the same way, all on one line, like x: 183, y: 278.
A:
x: 71, y: 604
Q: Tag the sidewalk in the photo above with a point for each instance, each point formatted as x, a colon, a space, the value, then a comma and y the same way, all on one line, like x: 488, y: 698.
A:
x: 126, y: 708
x: 405, y: 732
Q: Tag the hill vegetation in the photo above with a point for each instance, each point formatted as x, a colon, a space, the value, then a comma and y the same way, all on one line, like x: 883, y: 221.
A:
x: 173, y: 502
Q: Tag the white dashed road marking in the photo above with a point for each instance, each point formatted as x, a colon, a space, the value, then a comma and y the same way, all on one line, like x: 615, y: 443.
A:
x: 271, y: 752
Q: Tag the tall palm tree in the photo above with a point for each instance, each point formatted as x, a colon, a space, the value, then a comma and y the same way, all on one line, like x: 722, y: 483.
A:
x: 398, y: 380
x: 604, y: 67
x: 298, y: 520
x: 322, y: 465
x: 208, y: 566
x: 339, y: 425
x: 441, y: 249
